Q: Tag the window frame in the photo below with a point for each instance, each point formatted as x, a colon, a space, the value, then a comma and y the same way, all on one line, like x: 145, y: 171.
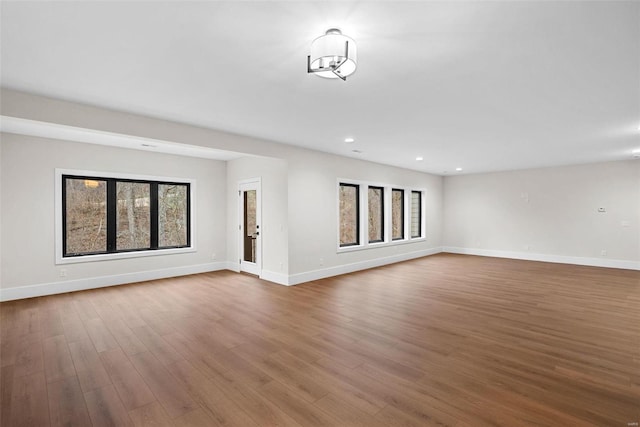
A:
x: 111, y: 251
x: 363, y: 187
x: 382, y: 214
x: 420, y: 215
x: 358, y: 216
x: 402, y: 211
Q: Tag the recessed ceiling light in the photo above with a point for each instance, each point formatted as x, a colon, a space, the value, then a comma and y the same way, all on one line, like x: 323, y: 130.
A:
x: 419, y: 159
x: 349, y: 140
x: 635, y: 153
x: 357, y: 151
x: 458, y: 169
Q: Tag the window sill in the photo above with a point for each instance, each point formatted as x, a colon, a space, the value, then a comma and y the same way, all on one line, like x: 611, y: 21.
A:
x: 380, y: 245
x: 122, y: 255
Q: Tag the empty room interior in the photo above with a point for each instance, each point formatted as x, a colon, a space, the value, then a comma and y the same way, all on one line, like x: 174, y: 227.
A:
x: 298, y: 213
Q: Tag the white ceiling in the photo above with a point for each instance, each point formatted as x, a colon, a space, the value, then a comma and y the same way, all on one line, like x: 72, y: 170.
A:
x: 480, y: 85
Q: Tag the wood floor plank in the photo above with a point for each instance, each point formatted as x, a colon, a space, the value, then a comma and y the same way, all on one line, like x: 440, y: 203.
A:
x: 210, y: 398
x: 8, y: 349
x: 29, y: 403
x: 128, y: 341
x: 6, y: 391
x: 131, y: 388
x: 105, y: 408
x: 197, y: 418
x: 304, y: 412
x: 57, y: 359
x: 51, y: 323
x: 74, y: 328
x: 169, y: 392
x: 277, y: 369
x: 29, y: 358
x: 157, y: 345
x: 89, y: 367
x: 66, y: 403
x: 346, y: 415
x: 102, y: 339
x: 151, y: 415
x: 243, y: 393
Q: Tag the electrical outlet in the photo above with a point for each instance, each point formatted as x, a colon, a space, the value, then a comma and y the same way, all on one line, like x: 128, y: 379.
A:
x: 526, y: 247
x: 321, y: 262
x: 63, y: 272
x: 603, y: 252
x: 213, y: 256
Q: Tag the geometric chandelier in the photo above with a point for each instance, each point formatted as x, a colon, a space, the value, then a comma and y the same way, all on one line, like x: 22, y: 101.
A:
x: 333, y: 56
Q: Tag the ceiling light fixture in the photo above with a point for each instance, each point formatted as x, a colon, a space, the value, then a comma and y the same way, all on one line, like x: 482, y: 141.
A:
x: 419, y: 159
x: 333, y: 56
x: 349, y: 140
x: 458, y: 169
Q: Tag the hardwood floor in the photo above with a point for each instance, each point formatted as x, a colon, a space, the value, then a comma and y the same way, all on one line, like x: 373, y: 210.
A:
x: 444, y: 340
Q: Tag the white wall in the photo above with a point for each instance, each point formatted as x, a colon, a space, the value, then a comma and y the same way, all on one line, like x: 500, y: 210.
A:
x: 310, y: 192
x: 274, y: 226
x: 313, y: 224
x: 28, y: 177
x: 551, y: 212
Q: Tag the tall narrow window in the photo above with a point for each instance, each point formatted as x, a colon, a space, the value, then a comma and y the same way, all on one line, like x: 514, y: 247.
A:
x: 397, y: 214
x: 133, y: 215
x: 349, y: 215
x: 173, y: 214
x: 376, y: 214
x: 85, y: 217
x: 416, y: 214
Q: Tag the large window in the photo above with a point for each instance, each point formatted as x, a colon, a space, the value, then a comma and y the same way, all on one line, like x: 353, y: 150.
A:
x: 397, y: 214
x: 416, y: 214
x: 105, y: 215
x: 349, y: 215
x: 376, y: 214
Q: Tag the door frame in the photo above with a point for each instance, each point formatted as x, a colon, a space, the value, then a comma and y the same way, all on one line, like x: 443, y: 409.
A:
x: 244, y: 185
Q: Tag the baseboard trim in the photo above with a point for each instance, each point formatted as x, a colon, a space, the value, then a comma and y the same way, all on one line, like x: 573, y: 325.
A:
x: 233, y: 266
x: 42, y: 289
x: 271, y: 276
x: 31, y: 291
x: 560, y: 259
x: 308, y: 276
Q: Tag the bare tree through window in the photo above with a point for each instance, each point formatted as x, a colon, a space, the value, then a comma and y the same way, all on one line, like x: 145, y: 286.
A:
x: 110, y: 215
x: 133, y: 213
x: 172, y: 215
x: 376, y: 214
x: 397, y: 214
x: 86, y: 216
x: 349, y: 215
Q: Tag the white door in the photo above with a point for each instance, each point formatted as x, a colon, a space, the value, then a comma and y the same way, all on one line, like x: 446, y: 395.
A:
x: 250, y: 233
